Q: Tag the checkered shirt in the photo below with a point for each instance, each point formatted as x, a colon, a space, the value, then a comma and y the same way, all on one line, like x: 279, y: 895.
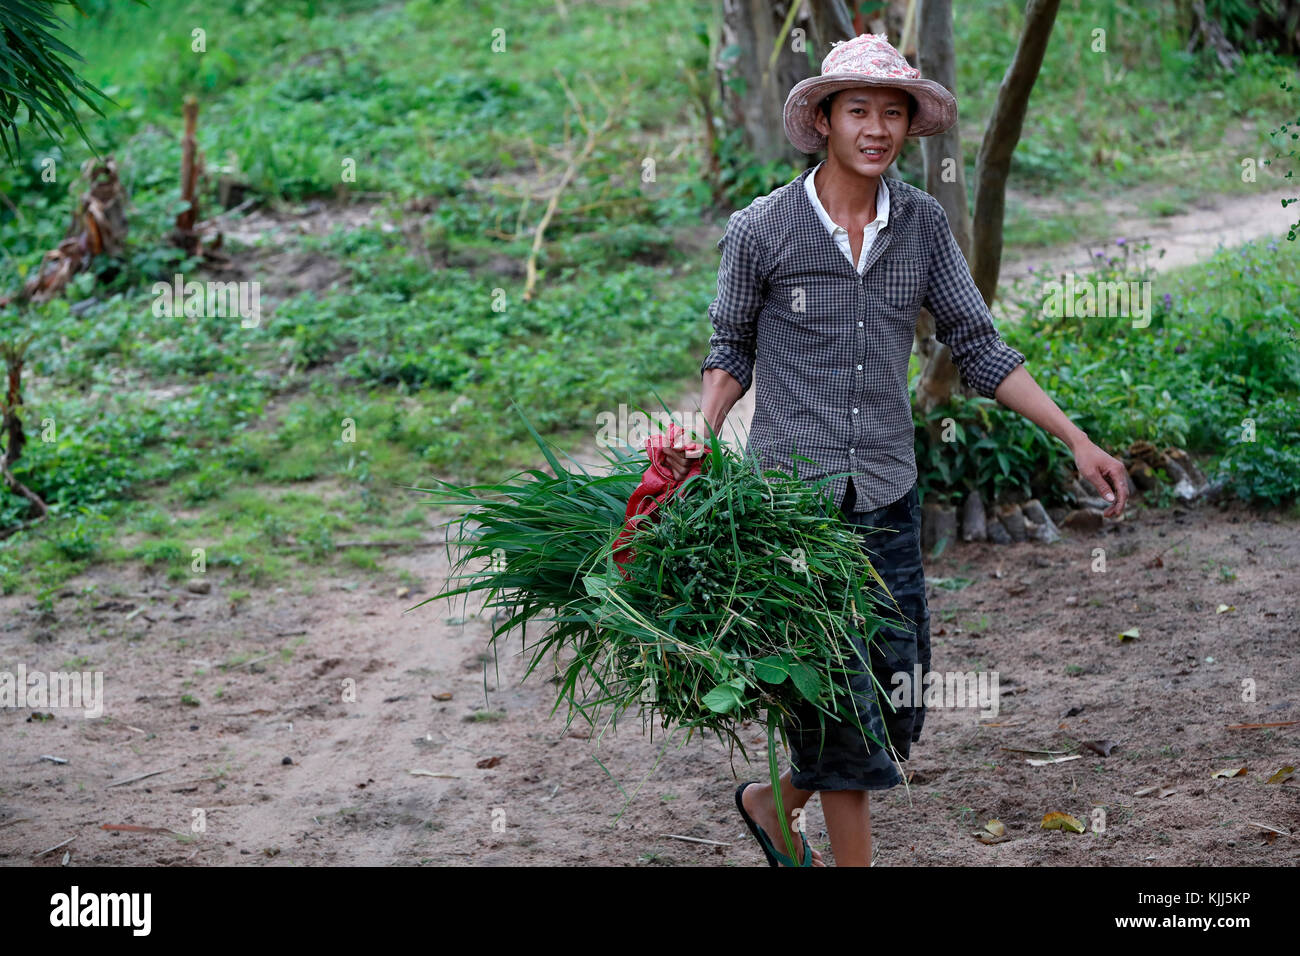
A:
x: 827, y: 349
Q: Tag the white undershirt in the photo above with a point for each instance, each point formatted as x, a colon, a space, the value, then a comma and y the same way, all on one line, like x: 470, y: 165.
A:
x: 839, y: 233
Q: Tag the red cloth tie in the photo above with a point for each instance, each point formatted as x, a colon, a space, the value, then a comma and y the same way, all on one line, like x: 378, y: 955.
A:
x: 657, y: 486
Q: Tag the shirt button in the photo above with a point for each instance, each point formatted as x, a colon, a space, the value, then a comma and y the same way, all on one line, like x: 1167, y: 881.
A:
x: 852, y: 450
x: 859, y: 325
x: 859, y: 368
x: 855, y: 411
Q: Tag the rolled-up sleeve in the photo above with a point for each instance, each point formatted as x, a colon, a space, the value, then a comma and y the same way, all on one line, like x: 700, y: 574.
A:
x: 734, y: 311
x: 961, y: 318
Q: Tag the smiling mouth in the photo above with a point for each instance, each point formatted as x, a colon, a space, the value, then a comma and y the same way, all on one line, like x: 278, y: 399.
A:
x: 873, y: 152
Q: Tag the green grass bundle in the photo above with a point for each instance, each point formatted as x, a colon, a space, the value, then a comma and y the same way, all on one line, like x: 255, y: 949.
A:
x: 740, y: 596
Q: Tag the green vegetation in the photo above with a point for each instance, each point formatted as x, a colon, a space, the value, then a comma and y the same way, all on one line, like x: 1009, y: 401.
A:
x: 152, y: 435
x: 1216, y: 371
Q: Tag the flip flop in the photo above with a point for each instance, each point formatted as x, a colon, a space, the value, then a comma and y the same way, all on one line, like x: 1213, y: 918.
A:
x: 774, y: 858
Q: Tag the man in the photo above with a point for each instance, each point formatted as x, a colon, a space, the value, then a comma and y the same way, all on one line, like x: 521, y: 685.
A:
x: 819, y: 289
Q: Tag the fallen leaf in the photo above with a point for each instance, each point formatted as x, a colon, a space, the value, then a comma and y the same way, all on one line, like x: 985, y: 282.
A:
x: 1280, y: 723
x: 1228, y: 772
x: 489, y: 762
x: 1224, y: 608
x: 442, y: 695
x: 1044, y: 763
x: 1282, y: 776
x: 996, y: 827
x: 1131, y: 634
x: 1158, y: 791
x: 1156, y: 562
x: 1100, y: 747
x: 1062, y: 821
x: 988, y: 839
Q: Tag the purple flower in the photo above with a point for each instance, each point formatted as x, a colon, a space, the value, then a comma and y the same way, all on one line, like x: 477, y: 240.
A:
x: 1101, y: 255
x: 1169, y: 300
x: 1120, y: 241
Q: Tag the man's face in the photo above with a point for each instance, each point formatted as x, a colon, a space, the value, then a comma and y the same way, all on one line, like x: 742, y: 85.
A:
x: 867, y: 129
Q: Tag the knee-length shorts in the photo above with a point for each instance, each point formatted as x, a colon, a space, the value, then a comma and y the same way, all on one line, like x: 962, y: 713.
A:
x: 833, y: 754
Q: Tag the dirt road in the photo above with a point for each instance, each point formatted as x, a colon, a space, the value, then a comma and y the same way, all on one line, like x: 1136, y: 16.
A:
x: 288, y: 770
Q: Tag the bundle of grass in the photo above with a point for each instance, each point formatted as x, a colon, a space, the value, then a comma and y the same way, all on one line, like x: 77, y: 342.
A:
x: 738, y: 605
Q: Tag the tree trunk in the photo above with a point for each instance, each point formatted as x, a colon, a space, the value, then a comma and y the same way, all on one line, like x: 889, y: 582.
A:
x: 980, y: 238
x: 1000, y: 139
x: 753, y: 88
x: 184, y: 235
x: 945, y: 180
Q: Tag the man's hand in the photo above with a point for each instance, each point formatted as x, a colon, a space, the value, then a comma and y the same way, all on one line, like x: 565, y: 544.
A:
x: 1106, y: 474
x: 678, y: 455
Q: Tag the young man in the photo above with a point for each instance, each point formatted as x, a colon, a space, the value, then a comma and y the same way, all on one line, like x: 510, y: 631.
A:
x: 819, y: 289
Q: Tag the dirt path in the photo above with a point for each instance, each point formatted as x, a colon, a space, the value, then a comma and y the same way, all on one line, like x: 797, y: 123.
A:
x: 1036, y: 614
x: 1187, y: 238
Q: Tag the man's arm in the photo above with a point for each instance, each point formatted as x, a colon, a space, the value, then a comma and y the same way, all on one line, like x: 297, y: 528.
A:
x: 719, y: 394
x: 727, y: 371
x: 962, y: 321
x: 1020, y: 393
x: 734, y: 310
x: 995, y: 370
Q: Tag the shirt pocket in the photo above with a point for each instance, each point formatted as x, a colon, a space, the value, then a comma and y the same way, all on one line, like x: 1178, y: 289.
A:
x: 902, y: 284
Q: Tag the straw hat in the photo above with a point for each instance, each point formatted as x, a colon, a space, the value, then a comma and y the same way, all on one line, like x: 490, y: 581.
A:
x: 867, y: 60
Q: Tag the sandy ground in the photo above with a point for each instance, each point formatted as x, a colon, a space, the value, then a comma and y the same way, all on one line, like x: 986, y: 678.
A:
x: 1037, y: 614
x: 1187, y: 237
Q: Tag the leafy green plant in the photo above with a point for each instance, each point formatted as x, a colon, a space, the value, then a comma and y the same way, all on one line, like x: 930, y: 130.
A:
x: 992, y: 450
x: 1265, y: 469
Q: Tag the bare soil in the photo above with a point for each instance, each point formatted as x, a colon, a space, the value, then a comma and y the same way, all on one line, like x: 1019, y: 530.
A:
x: 1037, y: 614
x: 1187, y: 237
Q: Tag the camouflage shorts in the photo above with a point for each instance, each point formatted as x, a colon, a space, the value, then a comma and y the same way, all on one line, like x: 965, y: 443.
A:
x: 838, y: 757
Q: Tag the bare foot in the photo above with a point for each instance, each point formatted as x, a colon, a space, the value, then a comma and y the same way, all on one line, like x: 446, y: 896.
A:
x: 758, y: 802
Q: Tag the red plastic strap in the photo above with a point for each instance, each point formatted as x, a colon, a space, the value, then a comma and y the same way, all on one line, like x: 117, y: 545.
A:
x: 657, y: 485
